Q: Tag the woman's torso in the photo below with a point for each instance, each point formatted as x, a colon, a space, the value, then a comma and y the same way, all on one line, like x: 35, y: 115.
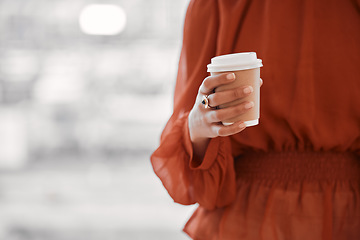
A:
x: 310, y: 99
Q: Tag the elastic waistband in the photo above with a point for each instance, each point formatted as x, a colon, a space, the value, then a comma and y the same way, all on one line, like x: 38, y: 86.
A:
x: 298, y: 166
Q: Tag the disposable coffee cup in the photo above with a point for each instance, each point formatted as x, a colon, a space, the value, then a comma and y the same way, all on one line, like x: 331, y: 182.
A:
x: 246, y: 67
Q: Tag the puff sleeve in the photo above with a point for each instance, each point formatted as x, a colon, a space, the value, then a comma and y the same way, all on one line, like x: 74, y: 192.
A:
x: 210, y: 181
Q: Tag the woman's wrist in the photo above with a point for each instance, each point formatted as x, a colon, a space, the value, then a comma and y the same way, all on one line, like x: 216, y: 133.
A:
x: 199, y: 146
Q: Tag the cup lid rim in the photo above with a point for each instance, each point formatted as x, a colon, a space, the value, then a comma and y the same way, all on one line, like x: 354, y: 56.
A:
x: 234, y: 67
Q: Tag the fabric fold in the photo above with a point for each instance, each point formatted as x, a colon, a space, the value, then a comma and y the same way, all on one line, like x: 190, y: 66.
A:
x: 211, y: 184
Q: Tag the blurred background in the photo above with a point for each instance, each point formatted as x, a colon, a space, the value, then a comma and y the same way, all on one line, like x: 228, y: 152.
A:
x: 85, y: 90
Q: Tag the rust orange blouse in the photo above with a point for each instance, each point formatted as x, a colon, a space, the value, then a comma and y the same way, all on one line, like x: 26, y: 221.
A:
x: 310, y: 99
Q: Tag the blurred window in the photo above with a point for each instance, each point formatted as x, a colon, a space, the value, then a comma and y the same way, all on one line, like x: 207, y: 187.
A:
x: 102, y: 19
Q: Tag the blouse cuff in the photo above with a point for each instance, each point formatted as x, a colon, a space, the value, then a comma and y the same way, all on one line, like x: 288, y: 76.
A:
x: 210, y: 154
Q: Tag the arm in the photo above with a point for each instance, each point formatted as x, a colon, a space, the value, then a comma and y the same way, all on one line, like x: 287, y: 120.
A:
x: 192, y: 161
x: 211, y: 182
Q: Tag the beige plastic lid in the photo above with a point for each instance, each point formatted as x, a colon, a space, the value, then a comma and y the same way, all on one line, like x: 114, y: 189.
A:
x: 234, y: 62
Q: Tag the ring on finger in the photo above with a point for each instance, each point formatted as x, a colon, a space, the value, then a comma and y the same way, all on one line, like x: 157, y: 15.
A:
x: 205, y: 101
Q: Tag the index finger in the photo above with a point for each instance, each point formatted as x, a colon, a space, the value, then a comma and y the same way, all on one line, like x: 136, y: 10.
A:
x: 212, y: 82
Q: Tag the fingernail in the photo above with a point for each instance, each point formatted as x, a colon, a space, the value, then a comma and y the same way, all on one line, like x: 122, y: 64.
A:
x: 249, y: 105
x: 230, y: 76
x: 248, y: 90
x: 242, y: 125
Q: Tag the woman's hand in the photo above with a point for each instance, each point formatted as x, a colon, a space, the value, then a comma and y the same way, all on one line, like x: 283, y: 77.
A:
x: 205, y: 123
